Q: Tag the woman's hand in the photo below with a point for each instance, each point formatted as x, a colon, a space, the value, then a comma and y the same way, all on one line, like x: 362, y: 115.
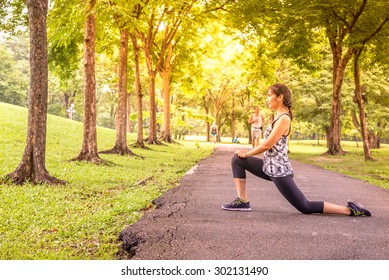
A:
x: 241, y: 153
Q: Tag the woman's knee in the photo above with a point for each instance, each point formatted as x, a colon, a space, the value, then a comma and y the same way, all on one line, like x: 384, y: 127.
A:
x: 305, y: 211
x: 235, y: 160
x: 237, y: 170
x: 305, y: 208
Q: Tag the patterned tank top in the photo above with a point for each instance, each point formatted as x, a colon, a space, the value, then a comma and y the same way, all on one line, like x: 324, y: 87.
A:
x: 275, y: 160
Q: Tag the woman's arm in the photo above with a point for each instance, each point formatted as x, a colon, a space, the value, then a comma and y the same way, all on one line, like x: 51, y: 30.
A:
x: 281, y: 127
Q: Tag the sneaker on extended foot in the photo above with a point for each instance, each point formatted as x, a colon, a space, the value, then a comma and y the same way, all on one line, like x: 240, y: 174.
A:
x: 237, y: 205
x: 357, y: 209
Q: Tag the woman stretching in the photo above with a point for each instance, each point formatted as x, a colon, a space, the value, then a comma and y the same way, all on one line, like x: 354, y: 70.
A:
x: 275, y: 165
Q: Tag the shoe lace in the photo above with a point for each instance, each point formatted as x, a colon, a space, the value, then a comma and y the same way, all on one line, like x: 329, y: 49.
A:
x: 356, y: 212
x: 237, y: 201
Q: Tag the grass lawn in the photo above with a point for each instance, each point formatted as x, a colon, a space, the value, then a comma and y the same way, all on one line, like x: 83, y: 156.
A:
x: 352, y: 164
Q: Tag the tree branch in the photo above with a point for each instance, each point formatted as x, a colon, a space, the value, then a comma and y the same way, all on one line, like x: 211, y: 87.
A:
x: 364, y: 41
x: 358, y: 14
x: 349, y: 27
x: 220, y: 7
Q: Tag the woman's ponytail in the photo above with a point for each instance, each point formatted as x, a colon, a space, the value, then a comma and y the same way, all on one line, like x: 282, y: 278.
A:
x: 279, y: 89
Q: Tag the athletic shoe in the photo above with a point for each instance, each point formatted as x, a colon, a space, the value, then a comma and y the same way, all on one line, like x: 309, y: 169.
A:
x: 237, y: 205
x: 357, y: 209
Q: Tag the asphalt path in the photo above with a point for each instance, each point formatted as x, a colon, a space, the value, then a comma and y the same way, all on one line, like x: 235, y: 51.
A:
x: 189, y: 223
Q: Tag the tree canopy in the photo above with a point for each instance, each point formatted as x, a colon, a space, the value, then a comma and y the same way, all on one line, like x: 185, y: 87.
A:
x: 190, y: 63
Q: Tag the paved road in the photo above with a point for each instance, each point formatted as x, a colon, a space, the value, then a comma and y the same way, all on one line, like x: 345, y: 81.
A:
x: 189, y: 223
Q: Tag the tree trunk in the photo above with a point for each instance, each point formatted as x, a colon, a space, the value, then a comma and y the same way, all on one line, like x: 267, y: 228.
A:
x: 166, y: 73
x: 362, y: 115
x: 121, y: 147
x: 129, y: 123
x: 32, y: 166
x: 166, y: 135
x: 148, y: 49
x: 206, y: 109
x: 219, y: 132
x: 339, y: 66
x: 89, y: 142
x: 374, y: 139
x: 219, y: 125
x: 138, y: 93
x: 152, y: 137
x: 121, y: 120
x: 328, y: 135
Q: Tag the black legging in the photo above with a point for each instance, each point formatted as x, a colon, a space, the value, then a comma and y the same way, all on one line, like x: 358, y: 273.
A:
x: 285, y: 185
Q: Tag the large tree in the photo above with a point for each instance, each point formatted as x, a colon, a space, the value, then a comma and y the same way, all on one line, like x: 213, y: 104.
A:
x: 380, y: 17
x: 373, y: 98
x: 296, y: 25
x: 163, y: 21
x: 138, y: 91
x: 32, y: 166
x: 166, y: 75
x: 137, y: 12
x: 89, y: 142
x: 343, y: 23
x: 120, y: 146
x: 339, y: 19
x: 173, y: 27
x: 148, y: 35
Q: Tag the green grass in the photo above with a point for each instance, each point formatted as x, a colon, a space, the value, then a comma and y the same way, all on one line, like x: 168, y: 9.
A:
x: 81, y: 220
x: 352, y: 164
